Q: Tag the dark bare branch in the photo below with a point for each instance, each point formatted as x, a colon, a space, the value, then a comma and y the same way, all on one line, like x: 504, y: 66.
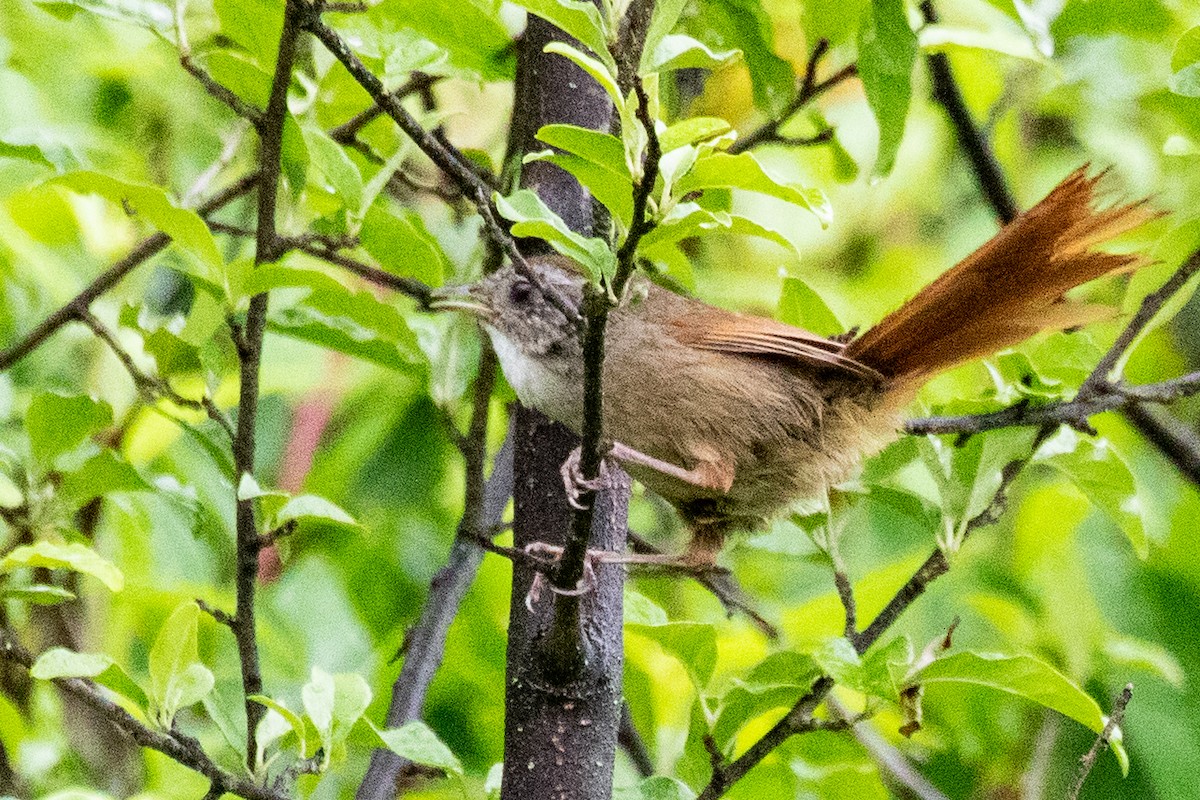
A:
x: 249, y: 341
x: 1102, y: 741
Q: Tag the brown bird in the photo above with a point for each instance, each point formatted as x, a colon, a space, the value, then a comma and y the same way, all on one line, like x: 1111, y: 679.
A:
x: 731, y: 417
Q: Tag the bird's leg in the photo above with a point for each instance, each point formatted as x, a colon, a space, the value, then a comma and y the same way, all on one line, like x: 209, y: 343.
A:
x: 710, y: 472
x: 698, y: 558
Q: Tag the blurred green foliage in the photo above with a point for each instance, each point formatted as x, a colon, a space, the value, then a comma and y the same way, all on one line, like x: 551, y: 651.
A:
x: 118, y: 509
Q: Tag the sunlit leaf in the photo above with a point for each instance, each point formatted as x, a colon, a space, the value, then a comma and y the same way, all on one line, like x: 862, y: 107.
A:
x: 1096, y: 468
x: 742, y: 171
x: 337, y: 167
x: 799, y: 305
x: 254, y: 25
x: 177, y: 678
x: 677, y: 51
x: 149, y: 14
x: 398, y: 240
x: 1023, y: 675
x: 59, y: 662
x: 692, y: 643
x: 658, y: 787
x: 578, y: 18
x: 58, y: 424
x: 38, y: 594
x: 74, y: 556
x: 153, y: 205
x: 534, y: 218
x: 887, y: 49
x: 416, y: 742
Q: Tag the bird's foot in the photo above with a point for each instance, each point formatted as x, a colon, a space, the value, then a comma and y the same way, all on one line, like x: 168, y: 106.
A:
x: 574, y: 482
x: 541, y: 582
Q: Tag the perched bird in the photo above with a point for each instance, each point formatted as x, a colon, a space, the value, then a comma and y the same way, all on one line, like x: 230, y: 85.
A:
x: 731, y: 417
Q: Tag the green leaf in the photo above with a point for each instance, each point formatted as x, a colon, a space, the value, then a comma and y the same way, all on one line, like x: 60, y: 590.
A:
x: 678, y: 51
x: 147, y: 14
x: 887, y: 49
x: 310, y: 506
x: 694, y: 644
x: 1185, y: 64
x: 641, y: 610
x: 101, y: 475
x: 416, y: 742
x: 38, y: 594
x: 612, y: 189
x: 1024, y: 676
x: 255, y: 26
x: 471, y: 33
x: 58, y: 424
x: 239, y: 74
x: 662, y: 22
x: 288, y: 716
x: 59, y: 662
x: 318, y: 696
x: 602, y: 149
x: 1009, y: 42
x: 74, y: 556
x: 177, y: 678
x: 746, y: 25
x: 1187, y: 49
x: 799, y: 305
x: 534, y: 218
x: 1098, y: 470
x: 25, y: 152
x: 398, y: 240
x: 152, y: 204
x: 691, y: 131
x: 337, y: 167
x: 742, y: 171
x: 657, y: 787
x: 577, y: 18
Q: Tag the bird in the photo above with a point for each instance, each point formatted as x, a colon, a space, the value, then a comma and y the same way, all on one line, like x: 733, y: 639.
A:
x: 731, y: 417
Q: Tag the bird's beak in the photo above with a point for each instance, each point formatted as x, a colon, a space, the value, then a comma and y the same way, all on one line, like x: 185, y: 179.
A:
x: 460, y: 298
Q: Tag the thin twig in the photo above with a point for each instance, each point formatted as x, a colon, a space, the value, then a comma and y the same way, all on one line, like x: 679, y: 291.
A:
x: 845, y: 592
x: 177, y: 746
x: 143, y: 251
x: 1101, y: 744
x: 239, y: 106
x: 970, y: 138
x: 447, y: 158
x: 484, y: 506
x: 1151, y: 305
x: 631, y: 741
x: 249, y: 341
x: 723, y: 586
x: 150, y: 387
x: 1076, y: 412
x: 810, y: 89
x: 347, y: 132
x: 898, y: 772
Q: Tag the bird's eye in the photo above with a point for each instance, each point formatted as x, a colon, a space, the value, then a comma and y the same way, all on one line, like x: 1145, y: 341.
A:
x: 520, y: 292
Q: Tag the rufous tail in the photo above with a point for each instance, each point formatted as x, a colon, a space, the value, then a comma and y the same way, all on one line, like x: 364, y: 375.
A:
x: 1009, y: 289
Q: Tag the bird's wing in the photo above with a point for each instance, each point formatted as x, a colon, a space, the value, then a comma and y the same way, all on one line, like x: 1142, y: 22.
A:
x: 756, y: 336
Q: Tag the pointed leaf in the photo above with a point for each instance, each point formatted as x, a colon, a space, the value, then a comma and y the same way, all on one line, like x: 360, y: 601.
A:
x: 887, y: 50
x: 74, y: 556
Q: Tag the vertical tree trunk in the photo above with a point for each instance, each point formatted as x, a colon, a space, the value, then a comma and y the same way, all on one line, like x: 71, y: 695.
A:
x: 560, y: 723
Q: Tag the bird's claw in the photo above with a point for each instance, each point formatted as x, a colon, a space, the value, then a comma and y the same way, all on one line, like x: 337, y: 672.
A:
x: 574, y: 482
x: 540, y: 581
